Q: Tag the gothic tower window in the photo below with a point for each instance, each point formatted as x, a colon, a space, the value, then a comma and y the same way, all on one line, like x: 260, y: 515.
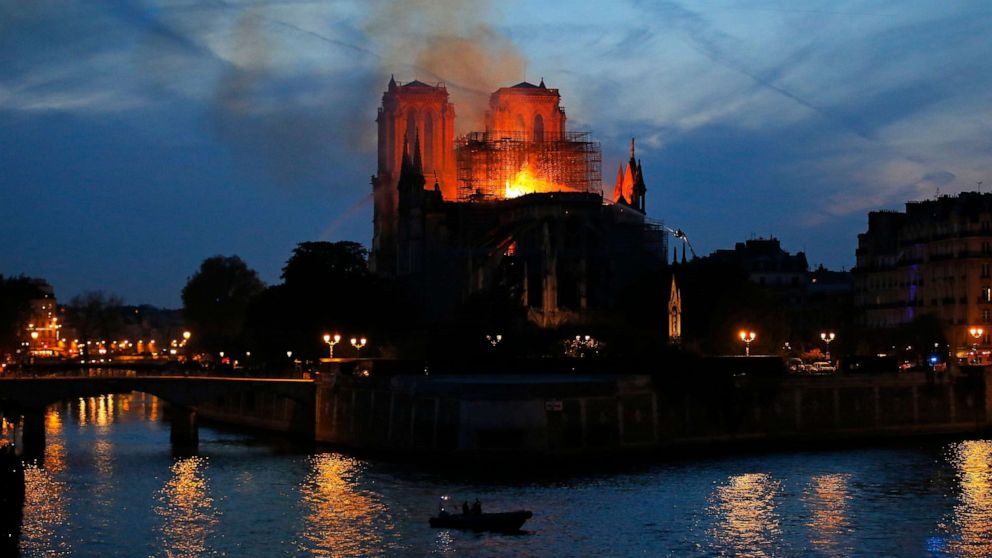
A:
x: 427, y: 143
x: 538, y: 127
x: 411, y: 126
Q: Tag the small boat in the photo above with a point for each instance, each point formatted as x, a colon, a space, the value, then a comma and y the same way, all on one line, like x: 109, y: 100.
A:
x: 503, y: 522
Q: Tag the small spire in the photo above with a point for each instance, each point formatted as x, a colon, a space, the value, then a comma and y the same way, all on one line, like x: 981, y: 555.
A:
x: 437, y: 185
x: 405, y: 164
x: 542, y: 83
x: 392, y: 82
x: 631, y: 149
x: 418, y: 163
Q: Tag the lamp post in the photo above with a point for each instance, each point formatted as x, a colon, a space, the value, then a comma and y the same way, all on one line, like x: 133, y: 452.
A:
x: 747, y: 337
x: 976, y: 333
x: 331, y: 341
x: 358, y: 344
x: 494, y: 339
x: 827, y: 337
x: 185, y: 343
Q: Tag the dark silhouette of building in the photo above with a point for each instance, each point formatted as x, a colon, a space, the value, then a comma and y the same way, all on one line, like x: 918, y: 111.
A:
x: 520, y: 214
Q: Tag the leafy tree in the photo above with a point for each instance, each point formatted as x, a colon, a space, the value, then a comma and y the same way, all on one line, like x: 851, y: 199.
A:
x: 327, y: 287
x: 95, y: 315
x: 16, y: 294
x: 216, y: 300
x: 718, y: 300
x: 313, y: 263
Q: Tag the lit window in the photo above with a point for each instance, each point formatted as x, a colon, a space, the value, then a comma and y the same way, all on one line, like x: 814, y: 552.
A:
x: 986, y: 294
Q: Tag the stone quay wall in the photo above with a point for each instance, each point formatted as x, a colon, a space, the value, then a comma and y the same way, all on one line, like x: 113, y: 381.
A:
x: 605, y: 414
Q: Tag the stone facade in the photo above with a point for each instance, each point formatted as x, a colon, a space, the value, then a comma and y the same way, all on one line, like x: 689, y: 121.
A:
x: 933, y: 259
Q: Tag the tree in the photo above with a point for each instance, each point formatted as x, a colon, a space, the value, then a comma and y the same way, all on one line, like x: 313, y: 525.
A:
x: 316, y: 263
x: 95, y: 315
x: 327, y: 288
x: 216, y: 299
x: 718, y: 300
x: 16, y: 294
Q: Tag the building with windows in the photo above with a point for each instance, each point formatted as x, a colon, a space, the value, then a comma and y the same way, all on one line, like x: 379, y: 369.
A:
x: 933, y: 259
x: 42, y: 333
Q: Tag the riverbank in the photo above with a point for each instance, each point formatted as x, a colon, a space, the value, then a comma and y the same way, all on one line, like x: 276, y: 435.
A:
x: 608, y: 415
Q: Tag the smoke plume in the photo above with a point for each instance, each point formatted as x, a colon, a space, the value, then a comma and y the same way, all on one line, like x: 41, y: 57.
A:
x: 451, y: 41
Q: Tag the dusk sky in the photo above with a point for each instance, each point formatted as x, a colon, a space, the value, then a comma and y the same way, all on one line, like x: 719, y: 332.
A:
x: 138, y: 138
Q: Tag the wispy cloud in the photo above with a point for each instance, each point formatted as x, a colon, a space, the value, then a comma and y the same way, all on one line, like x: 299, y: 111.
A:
x: 803, y: 117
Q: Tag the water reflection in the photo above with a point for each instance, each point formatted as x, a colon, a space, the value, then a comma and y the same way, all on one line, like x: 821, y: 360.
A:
x: 187, y: 508
x: 45, y: 514
x: 827, y: 497
x: 748, y: 524
x: 54, y: 442
x: 972, y: 523
x: 342, y: 519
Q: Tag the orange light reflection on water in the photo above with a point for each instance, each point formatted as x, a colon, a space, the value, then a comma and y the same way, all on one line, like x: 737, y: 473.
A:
x: 45, y: 514
x: 187, y: 509
x: 827, y: 498
x: 748, y: 522
x: 972, y: 523
x: 55, y: 461
x: 343, y: 519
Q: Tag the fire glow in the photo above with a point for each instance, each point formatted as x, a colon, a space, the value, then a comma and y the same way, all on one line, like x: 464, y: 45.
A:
x: 525, y: 182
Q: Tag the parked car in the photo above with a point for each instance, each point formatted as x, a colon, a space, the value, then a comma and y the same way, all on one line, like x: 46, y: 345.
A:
x: 822, y: 367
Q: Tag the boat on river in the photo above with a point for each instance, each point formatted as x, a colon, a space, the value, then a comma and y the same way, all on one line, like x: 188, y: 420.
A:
x: 503, y: 522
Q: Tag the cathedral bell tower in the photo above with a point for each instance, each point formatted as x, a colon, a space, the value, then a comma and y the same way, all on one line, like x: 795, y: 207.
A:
x: 409, y: 110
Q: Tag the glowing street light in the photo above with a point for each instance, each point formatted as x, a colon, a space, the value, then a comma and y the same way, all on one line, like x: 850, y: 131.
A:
x: 976, y: 333
x: 331, y: 341
x: 747, y: 337
x: 827, y: 337
x: 358, y: 344
x: 494, y: 339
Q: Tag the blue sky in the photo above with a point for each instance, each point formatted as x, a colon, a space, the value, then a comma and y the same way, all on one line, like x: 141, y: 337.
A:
x: 138, y: 138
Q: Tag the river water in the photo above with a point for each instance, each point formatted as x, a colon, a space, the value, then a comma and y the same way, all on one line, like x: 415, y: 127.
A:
x: 110, y: 486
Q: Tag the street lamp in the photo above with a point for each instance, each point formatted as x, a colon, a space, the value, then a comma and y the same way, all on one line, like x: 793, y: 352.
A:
x: 358, y: 344
x: 977, y: 333
x: 827, y: 337
x: 747, y: 337
x: 331, y: 341
x: 494, y: 339
x: 186, y: 336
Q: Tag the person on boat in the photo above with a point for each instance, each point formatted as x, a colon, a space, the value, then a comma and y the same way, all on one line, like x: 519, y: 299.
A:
x: 477, y: 507
x: 465, y: 510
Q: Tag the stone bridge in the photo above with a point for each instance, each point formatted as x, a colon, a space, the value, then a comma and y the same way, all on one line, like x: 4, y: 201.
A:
x: 186, y: 396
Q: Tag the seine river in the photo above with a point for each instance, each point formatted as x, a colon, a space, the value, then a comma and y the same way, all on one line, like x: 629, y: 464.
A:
x: 109, y: 486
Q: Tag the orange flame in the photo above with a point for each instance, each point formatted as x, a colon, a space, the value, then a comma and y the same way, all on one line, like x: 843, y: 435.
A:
x: 525, y: 182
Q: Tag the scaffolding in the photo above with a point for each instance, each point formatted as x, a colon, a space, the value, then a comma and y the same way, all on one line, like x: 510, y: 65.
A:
x: 489, y: 161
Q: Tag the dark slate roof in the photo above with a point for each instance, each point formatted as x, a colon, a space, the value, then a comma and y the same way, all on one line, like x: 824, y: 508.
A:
x: 525, y: 85
x: 417, y: 83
